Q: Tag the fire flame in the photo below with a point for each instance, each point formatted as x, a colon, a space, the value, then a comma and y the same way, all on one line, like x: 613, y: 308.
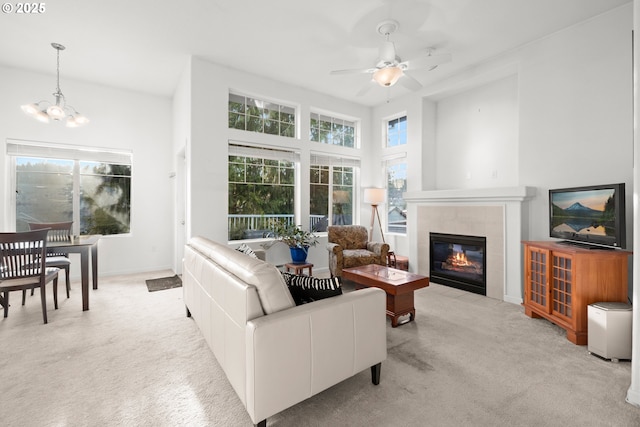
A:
x: 460, y: 260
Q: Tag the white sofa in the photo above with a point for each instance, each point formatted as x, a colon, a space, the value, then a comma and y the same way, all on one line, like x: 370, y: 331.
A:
x: 274, y: 353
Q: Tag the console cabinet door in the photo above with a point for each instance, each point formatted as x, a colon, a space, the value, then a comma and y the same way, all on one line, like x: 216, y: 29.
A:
x: 562, y: 286
x: 537, y: 278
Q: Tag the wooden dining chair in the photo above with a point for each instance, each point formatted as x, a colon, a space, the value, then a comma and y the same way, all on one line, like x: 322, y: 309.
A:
x: 23, y: 267
x: 58, y: 232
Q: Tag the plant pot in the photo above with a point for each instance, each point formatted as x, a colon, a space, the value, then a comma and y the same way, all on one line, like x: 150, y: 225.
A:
x: 299, y: 255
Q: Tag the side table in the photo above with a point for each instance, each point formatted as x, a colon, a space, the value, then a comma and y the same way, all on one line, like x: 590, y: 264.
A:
x: 298, y: 268
x: 398, y: 261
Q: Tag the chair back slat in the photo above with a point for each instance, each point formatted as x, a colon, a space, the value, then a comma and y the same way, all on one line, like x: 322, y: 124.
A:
x: 22, y: 254
x: 58, y: 231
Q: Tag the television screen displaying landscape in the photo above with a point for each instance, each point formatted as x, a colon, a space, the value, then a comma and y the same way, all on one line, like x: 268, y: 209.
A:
x: 587, y: 212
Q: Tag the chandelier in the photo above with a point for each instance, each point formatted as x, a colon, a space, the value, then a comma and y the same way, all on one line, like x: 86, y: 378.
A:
x: 45, y: 111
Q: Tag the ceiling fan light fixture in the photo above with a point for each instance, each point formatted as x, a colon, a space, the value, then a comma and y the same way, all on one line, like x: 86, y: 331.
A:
x: 387, y: 76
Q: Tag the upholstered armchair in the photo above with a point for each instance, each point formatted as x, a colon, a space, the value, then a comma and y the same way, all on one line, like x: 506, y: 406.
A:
x: 349, y: 247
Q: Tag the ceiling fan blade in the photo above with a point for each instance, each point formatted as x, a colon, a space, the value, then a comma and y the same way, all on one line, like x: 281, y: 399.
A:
x: 428, y: 61
x: 353, y: 71
x: 409, y: 82
x: 366, y: 88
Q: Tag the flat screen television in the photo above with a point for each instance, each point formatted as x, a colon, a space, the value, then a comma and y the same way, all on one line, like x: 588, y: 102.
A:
x: 592, y: 215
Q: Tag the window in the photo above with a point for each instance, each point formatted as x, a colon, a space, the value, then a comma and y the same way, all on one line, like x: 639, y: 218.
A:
x: 256, y: 115
x: 396, y: 185
x: 92, y: 188
x: 261, y: 190
x: 331, y: 130
x: 397, y: 132
x: 331, y: 191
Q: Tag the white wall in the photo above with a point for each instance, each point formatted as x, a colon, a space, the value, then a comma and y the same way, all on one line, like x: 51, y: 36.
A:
x: 119, y: 119
x: 209, y: 87
x: 477, y: 137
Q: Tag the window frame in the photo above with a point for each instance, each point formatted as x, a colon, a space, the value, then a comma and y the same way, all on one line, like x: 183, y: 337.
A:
x: 282, y: 105
x: 389, y: 162
x: 243, y: 149
x: 43, y: 150
x: 402, y: 142
x: 332, y: 161
x: 333, y: 118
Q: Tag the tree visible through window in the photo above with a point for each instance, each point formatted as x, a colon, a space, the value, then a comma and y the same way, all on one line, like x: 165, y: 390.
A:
x: 48, y: 189
x: 331, y: 198
x: 332, y: 130
x: 261, y: 191
x: 256, y: 115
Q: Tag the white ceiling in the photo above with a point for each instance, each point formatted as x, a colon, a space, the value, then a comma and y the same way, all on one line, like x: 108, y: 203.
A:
x: 144, y: 45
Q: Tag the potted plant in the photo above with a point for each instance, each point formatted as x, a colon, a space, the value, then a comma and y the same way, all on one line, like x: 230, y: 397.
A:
x: 296, y: 238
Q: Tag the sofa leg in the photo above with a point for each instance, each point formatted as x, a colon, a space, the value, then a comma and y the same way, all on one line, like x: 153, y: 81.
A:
x: 262, y: 423
x: 188, y: 312
x: 375, y: 373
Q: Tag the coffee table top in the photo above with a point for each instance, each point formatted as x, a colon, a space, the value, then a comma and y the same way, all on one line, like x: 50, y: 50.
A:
x: 391, y: 280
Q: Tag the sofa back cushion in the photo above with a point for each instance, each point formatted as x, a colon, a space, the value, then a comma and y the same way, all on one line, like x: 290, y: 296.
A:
x: 348, y: 236
x: 266, y: 278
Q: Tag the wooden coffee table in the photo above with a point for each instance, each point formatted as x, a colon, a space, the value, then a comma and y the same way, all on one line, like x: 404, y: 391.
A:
x: 397, y: 284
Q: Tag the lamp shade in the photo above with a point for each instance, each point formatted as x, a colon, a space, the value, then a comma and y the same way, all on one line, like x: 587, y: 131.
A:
x: 341, y: 196
x: 374, y: 196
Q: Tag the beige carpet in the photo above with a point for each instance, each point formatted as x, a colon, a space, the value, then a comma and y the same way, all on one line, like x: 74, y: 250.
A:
x: 135, y: 359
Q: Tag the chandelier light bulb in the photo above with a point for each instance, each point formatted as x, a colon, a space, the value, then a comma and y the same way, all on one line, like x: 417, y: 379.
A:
x: 80, y: 119
x: 30, y: 109
x: 56, y: 112
x: 42, y: 116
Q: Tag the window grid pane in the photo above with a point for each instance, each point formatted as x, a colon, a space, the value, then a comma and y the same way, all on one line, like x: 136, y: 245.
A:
x: 397, y: 132
x: 331, y: 196
x: 396, y: 185
x: 45, y: 193
x: 256, y: 115
x: 260, y: 191
x: 332, y: 130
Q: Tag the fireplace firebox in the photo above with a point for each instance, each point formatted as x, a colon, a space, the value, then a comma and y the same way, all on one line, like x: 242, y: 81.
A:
x: 458, y: 261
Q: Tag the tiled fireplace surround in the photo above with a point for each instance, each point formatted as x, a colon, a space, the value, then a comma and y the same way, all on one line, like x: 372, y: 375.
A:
x: 499, y: 214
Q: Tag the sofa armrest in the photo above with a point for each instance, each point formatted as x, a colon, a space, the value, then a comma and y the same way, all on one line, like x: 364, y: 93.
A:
x: 295, y: 353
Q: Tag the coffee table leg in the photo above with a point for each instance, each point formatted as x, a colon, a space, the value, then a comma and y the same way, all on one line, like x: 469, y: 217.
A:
x: 400, y: 305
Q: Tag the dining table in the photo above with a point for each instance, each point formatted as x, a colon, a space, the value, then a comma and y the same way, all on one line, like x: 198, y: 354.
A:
x: 87, y: 247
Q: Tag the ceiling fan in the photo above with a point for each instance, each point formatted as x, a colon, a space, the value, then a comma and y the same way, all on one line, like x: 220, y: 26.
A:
x: 389, y: 68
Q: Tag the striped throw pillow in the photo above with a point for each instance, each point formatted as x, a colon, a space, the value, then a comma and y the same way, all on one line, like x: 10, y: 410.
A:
x: 305, y: 289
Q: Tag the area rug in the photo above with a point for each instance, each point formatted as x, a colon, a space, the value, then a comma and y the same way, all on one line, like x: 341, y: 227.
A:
x: 164, y: 283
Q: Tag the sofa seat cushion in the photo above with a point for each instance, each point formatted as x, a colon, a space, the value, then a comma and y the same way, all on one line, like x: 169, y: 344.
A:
x: 266, y: 278
x: 305, y: 289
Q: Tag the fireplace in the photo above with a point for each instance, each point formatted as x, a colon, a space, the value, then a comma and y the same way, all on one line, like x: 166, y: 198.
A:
x: 458, y: 261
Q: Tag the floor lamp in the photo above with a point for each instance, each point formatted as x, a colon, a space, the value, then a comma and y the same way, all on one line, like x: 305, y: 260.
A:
x: 374, y: 197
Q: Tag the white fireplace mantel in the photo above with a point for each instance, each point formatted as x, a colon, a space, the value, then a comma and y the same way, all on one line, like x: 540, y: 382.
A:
x: 496, y: 213
x: 496, y: 194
